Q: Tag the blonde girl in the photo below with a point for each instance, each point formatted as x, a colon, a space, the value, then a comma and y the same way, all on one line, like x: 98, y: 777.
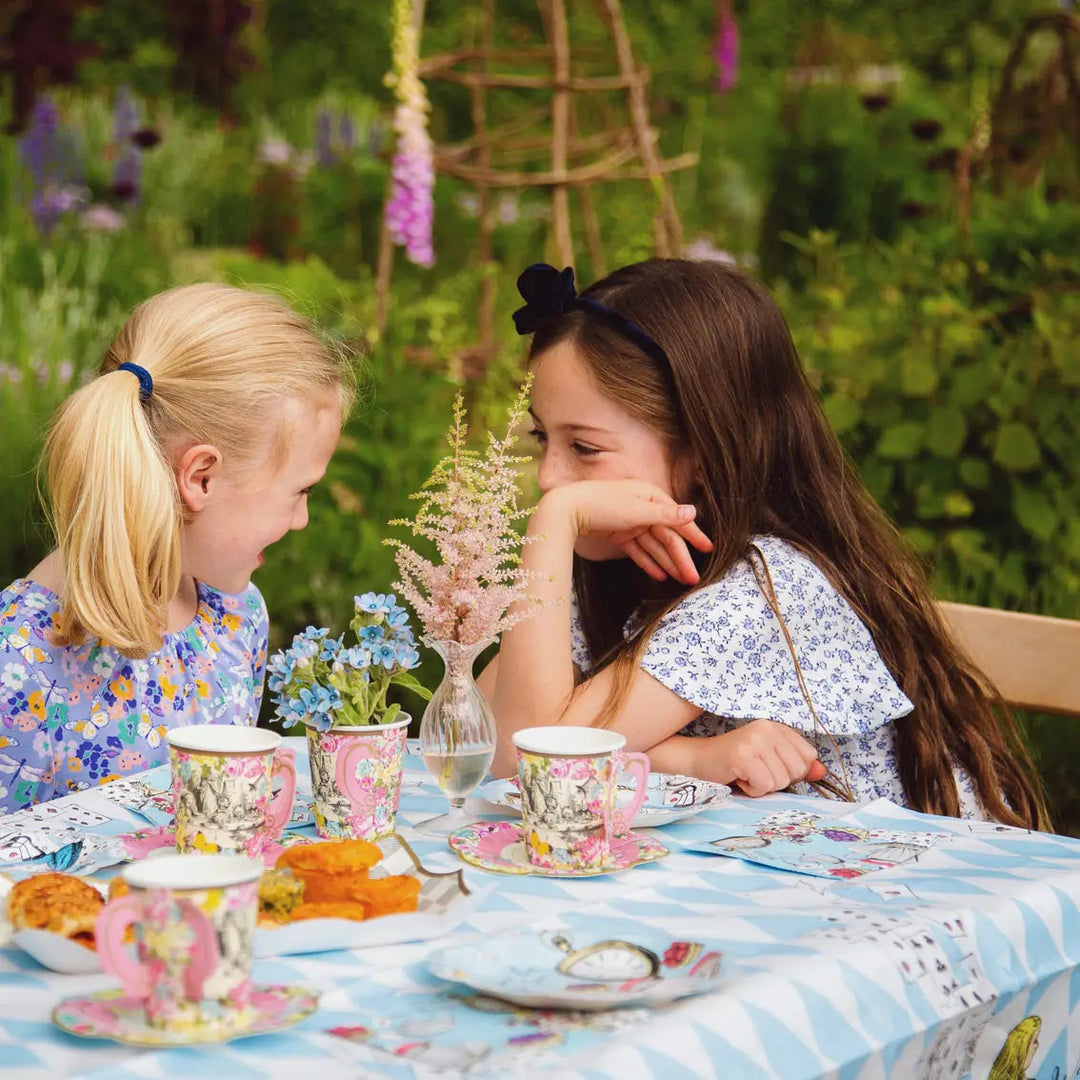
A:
x: 215, y: 411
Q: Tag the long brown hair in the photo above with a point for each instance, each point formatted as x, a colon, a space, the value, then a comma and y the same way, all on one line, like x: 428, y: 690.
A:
x: 737, y: 408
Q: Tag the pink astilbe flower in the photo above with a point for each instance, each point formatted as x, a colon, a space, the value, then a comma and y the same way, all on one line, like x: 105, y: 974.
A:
x: 410, y: 211
x: 468, y: 509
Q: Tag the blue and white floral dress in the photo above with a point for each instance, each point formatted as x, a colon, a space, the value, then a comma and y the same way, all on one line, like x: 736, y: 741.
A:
x: 73, y: 718
x: 723, y: 650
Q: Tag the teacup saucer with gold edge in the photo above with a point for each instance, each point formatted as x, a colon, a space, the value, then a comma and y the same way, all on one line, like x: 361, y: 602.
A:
x: 112, y: 1014
x: 499, y: 846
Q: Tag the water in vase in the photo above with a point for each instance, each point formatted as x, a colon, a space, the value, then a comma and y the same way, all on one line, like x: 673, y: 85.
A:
x: 458, y: 773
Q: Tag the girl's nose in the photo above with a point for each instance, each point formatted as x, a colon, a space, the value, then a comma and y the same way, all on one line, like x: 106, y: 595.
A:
x: 552, y: 472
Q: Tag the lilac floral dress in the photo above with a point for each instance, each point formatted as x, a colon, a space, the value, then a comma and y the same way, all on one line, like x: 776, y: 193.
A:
x: 722, y: 649
x: 74, y: 718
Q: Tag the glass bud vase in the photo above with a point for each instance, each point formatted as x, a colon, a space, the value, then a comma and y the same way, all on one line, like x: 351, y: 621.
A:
x: 457, y: 732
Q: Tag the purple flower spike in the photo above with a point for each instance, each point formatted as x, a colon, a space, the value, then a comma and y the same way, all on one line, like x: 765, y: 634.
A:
x: 39, y: 148
x: 726, y: 50
x: 410, y: 211
x: 347, y: 133
x: 128, y: 170
x: 49, y: 155
x: 324, y: 152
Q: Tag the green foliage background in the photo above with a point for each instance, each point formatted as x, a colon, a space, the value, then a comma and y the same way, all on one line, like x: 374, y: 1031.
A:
x: 947, y: 359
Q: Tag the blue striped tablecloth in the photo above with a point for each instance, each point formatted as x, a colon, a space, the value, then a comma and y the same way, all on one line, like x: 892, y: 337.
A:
x: 921, y: 972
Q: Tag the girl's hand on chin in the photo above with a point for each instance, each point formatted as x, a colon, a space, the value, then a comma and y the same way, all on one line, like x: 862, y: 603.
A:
x: 641, y: 518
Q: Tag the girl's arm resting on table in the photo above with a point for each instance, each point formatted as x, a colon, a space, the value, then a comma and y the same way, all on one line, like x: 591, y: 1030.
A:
x: 761, y: 756
x: 649, y: 713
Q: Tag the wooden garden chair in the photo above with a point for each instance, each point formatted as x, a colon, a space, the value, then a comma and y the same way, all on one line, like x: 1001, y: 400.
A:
x: 1033, y: 660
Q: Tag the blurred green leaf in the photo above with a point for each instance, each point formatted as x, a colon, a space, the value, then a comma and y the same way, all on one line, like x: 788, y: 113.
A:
x: 1015, y: 447
x: 946, y: 430
x: 969, y: 385
x: 843, y: 412
x: 901, y: 441
x: 1035, y: 512
x: 918, y: 376
x: 958, y: 505
x: 974, y: 472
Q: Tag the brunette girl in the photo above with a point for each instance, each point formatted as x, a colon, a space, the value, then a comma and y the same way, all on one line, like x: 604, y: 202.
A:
x: 740, y: 607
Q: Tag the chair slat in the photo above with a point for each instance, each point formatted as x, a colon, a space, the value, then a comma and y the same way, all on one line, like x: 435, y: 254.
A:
x: 1033, y: 660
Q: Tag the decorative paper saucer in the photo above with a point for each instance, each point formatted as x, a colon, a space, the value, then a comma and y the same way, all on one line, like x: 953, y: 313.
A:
x: 111, y: 1014
x: 669, y: 797
x: 499, y: 846
x: 586, y: 968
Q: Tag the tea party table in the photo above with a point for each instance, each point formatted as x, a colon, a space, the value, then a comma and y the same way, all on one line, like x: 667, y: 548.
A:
x: 832, y: 963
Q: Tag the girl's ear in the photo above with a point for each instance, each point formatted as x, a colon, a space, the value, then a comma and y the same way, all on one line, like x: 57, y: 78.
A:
x: 197, y: 470
x: 686, y: 477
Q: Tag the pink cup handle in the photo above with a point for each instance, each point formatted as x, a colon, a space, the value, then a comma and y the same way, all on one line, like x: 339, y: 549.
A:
x: 112, y: 925
x: 347, y: 781
x: 639, y: 765
x: 282, y: 804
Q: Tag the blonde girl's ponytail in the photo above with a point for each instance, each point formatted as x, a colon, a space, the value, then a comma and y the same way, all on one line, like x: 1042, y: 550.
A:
x: 116, y: 513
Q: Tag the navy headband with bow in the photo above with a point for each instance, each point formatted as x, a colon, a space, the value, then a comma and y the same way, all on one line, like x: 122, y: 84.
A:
x: 548, y: 292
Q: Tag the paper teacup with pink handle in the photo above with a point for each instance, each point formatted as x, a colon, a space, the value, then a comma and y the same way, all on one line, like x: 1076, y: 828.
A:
x: 193, y: 918
x: 356, y: 778
x: 222, y: 786
x: 569, y: 779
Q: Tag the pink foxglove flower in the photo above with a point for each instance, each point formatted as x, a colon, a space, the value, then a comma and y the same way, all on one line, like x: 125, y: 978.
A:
x: 410, y: 211
x: 468, y: 510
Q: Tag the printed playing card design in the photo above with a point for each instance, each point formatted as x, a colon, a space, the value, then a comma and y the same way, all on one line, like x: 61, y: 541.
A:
x: 933, y: 950
x: 38, y: 832
x: 147, y: 794
x: 951, y: 1051
x: 63, y: 836
x: 830, y: 847
x: 69, y: 852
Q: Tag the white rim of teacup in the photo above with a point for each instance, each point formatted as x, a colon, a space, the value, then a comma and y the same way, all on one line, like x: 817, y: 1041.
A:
x: 223, y: 739
x: 565, y: 740
x: 192, y: 872
x: 352, y: 729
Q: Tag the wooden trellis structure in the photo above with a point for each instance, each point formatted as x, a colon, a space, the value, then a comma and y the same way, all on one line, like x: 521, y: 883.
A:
x: 555, y: 144
x: 1027, y: 120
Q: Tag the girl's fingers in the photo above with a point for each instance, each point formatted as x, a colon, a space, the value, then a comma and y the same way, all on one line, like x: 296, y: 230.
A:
x: 655, y: 547
x: 676, y: 557
x: 643, y: 559
x: 794, y: 767
x: 691, y: 533
x: 806, y: 750
x: 759, y: 779
x: 779, y: 769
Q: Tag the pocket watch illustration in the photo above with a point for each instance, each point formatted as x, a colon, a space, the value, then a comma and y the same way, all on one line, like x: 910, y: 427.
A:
x: 606, y: 961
